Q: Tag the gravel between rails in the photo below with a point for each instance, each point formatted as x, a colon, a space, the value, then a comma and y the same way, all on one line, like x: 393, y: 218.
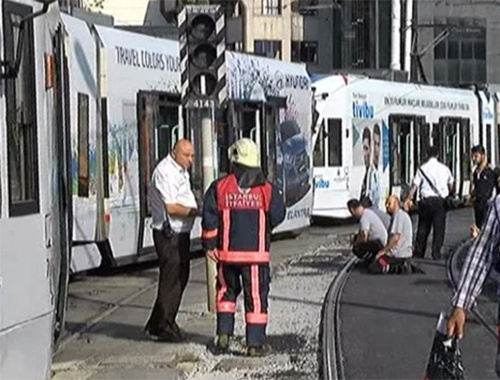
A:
x: 298, y: 290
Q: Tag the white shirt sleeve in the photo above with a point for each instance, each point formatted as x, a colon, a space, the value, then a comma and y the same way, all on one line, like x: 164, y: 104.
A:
x: 418, y: 178
x: 166, y: 187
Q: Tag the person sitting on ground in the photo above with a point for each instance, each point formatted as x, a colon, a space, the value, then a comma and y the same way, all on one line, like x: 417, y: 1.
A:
x: 372, y: 235
x: 394, y: 257
x: 384, y: 217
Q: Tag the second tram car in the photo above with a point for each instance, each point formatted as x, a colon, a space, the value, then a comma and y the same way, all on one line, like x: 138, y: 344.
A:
x: 372, y: 135
x: 126, y: 116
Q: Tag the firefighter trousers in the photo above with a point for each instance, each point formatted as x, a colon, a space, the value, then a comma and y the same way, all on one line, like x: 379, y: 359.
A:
x: 254, y: 279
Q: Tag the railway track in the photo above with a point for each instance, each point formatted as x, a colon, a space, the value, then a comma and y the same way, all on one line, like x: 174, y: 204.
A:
x: 332, y: 362
x: 331, y: 358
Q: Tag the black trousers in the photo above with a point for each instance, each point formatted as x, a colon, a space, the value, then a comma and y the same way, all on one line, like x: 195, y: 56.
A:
x: 431, y: 214
x: 255, y: 279
x: 480, y: 211
x: 389, y: 265
x: 367, y: 250
x: 173, y: 255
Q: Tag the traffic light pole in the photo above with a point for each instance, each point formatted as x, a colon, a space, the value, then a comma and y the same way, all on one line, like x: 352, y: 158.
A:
x: 207, y: 137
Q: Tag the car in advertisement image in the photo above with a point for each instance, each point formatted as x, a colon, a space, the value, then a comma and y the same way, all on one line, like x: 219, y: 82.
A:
x: 295, y: 162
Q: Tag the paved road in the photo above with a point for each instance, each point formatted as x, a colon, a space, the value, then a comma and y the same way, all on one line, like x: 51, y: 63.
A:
x: 388, y: 322
x: 116, y: 347
x: 118, y: 306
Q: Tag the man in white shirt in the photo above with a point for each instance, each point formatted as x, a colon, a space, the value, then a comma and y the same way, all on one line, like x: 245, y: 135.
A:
x: 435, y: 182
x: 174, y: 209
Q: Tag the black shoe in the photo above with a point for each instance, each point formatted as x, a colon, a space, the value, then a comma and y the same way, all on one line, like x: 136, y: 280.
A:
x: 177, y: 330
x: 168, y: 336
x: 258, y: 351
x: 436, y: 256
x: 221, y: 345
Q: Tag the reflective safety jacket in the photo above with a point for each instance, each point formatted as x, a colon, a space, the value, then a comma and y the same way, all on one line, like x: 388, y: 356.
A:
x: 238, y: 222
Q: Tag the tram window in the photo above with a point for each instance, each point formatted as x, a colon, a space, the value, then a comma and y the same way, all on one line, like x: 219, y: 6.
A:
x: 437, y: 139
x: 498, y: 143
x: 224, y: 139
x: 465, y: 148
x: 400, y: 152
x: 488, y: 147
x: 21, y: 114
x: 481, y: 133
x: 167, y: 129
x: 319, y: 147
x: 424, y: 143
x: 83, y: 145
x: 334, y: 142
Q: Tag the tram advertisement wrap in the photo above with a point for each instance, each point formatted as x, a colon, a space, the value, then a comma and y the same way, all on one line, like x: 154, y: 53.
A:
x: 255, y: 79
x: 370, y: 159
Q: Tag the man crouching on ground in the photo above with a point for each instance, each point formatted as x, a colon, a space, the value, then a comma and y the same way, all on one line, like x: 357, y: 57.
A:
x: 372, y: 235
x: 393, y: 258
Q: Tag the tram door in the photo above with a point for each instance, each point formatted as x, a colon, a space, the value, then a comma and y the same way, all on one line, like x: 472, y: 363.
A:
x: 259, y: 122
x: 421, y: 142
x: 401, y: 154
x: 158, y: 123
x: 465, y: 157
x: 61, y: 265
x: 449, y: 140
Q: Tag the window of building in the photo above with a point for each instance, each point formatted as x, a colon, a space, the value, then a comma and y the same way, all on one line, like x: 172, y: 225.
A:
x: 271, y: 7
x: 83, y: 145
x: 460, y: 59
x: 22, y: 128
x: 268, y: 48
x: 305, y: 51
x: 306, y: 7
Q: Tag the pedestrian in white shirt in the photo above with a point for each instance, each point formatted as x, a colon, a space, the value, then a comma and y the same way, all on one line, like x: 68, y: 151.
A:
x: 435, y: 182
x: 174, y: 209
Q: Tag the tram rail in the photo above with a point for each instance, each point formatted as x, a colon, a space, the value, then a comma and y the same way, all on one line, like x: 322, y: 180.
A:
x: 331, y: 346
x: 331, y: 356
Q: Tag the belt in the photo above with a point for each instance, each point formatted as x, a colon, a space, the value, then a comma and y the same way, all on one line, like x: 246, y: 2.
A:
x: 433, y: 197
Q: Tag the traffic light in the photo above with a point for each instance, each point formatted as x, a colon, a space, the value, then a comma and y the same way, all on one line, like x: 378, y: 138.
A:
x: 202, y: 53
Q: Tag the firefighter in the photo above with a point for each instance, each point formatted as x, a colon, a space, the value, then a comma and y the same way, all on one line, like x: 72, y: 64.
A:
x: 239, y: 212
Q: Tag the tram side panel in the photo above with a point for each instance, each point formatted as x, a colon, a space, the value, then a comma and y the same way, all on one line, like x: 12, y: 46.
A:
x: 487, y: 125
x: 333, y: 152
x: 142, y: 86
x: 82, y: 61
x: 30, y: 225
x: 271, y: 102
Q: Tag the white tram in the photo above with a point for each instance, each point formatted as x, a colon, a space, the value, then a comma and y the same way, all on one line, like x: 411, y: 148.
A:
x: 126, y: 116
x: 34, y: 202
x: 371, y: 136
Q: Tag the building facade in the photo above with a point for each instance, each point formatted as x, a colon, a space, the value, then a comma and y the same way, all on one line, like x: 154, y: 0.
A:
x: 468, y: 33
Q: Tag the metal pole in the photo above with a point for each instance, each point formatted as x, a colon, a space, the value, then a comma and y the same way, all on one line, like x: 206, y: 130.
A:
x: 207, y: 135
x: 377, y: 34
x: 395, y: 35
x: 408, y: 36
